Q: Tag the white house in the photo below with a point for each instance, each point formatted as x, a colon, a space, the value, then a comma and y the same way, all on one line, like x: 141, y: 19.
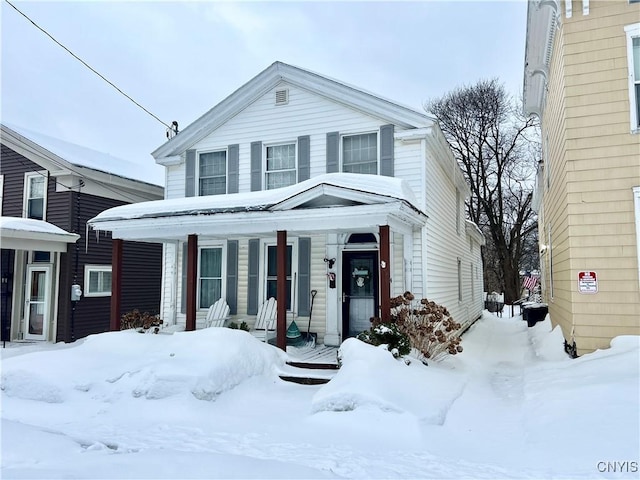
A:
x: 297, y: 183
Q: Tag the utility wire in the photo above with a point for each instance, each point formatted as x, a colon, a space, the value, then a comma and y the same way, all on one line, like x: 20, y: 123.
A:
x: 84, y: 63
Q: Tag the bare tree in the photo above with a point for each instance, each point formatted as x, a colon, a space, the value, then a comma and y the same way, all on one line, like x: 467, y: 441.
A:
x: 495, y: 147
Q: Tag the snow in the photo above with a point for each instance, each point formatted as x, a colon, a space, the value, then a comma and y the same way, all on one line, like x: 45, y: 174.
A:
x: 147, y: 172
x: 209, y: 404
x: 29, y: 225
x: 393, y: 188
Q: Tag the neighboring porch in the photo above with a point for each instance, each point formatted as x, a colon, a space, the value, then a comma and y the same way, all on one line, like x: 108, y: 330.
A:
x: 330, y: 205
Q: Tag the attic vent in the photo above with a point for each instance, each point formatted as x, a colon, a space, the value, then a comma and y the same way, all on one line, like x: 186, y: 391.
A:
x: 282, y: 97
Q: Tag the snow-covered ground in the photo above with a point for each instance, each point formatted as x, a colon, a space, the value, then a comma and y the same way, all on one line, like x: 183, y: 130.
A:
x: 209, y: 404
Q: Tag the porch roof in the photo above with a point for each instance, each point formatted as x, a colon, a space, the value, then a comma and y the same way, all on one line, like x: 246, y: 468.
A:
x: 29, y: 234
x: 332, y: 202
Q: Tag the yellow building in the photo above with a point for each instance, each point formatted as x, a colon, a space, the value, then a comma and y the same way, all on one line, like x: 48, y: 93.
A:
x: 582, y: 79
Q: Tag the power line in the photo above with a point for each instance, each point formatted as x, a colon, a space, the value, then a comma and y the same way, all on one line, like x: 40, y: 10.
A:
x: 85, y: 63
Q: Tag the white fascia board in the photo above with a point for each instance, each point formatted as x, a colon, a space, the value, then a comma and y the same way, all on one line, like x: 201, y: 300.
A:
x: 412, y: 135
x: 169, y: 161
x: 226, y: 225
x: 30, y: 240
x: 34, y: 152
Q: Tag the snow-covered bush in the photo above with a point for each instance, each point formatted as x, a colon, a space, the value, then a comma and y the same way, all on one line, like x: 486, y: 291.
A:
x: 430, y: 327
x: 142, y: 322
x: 387, y: 334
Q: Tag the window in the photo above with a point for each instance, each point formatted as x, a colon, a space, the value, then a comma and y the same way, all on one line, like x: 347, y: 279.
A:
x: 35, y: 192
x: 636, y: 205
x: 633, y: 58
x: 212, y: 173
x: 272, y: 270
x: 97, y: 280
x: 1, y: 192
x: 360, y: 153
x: 473, y: 284
x: 550, y: 254
x: 210, y: 277
x: 281, y: 166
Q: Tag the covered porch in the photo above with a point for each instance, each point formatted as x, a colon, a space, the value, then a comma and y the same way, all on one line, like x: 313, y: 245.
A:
x: 331, y: 205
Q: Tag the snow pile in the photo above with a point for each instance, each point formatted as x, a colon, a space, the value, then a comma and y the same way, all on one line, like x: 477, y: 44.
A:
x: 209, y: 404
x: 205, y: 364
x: 371, y: 376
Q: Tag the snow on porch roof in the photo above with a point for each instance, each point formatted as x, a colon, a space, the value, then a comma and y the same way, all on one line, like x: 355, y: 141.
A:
x: 393, y: 188
x: 29, y: 234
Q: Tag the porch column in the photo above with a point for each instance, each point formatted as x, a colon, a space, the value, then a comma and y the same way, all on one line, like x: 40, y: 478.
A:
x: 192, y: 273
x: 116, y: 284
x: 385, y: 274
x: 281, y: 286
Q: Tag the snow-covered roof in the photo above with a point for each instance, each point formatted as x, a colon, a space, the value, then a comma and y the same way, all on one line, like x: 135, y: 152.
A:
x: 394, y: 188
x: 269, y: 210
x: 269, y: 78
x: 29, y: 234
x: 77, y: 155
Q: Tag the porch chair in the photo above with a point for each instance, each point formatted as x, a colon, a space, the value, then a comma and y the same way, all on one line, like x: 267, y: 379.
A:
x: 265, y: 327
x: 218, y: 313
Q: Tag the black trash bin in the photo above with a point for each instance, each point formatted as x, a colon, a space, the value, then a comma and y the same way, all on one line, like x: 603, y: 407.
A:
x: 534, y: 313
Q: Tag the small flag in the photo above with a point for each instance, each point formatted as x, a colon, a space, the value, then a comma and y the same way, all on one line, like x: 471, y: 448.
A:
x: 530, y: 282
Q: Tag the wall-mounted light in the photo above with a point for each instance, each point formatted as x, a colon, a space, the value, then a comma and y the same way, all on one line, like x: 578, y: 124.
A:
x: 330, y: 261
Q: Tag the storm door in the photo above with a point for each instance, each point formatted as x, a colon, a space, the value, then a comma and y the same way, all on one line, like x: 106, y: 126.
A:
x: 360, y: 291
x: 37, y: 302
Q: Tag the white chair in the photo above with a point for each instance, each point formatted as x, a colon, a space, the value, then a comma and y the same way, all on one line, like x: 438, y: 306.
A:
x: 265, y: 327
x: 218, y: 313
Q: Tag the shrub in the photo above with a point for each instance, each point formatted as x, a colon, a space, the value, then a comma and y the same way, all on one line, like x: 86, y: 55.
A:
x: 142, y: 322
x: 387, y: 334
x: 430, y: 327
x: 243, y: 326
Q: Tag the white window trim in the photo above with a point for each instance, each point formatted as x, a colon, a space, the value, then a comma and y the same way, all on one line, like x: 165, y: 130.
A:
x: 226, y: 169
x: 95, y: 268
x: 632, y: 31
x: 264, y: 160
x: 355, y: 134
x: 223, y: 289
x: 25, y: 194
x: 460, y: 286
x: 264, y: 244
x: 636, y: 203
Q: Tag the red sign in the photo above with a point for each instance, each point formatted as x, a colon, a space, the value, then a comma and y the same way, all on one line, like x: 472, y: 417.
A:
x: 587, y: 282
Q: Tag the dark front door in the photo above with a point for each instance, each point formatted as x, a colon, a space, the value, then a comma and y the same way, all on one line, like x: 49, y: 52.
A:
x: 360, y: 291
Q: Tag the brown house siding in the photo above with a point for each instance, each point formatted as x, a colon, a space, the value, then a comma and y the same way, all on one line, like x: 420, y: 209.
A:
x: 70, y: 211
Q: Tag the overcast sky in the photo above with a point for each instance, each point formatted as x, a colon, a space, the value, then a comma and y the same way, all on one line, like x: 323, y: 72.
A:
x: 179, y: 59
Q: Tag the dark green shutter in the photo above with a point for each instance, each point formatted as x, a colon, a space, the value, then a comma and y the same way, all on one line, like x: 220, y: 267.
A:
x: 304, y: 275
x: 190, y: 174
x: 256, y: 166
x: 232, y: 276
x: 333, y: 145
x: 233, y: 167
x: 304, y: 158
x: 254, y: 267
x: 183, y: 300
x: 386, y: 150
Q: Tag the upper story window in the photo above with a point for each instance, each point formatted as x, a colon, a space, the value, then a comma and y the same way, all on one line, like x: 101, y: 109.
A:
x: 360, y: 153
x: 633, y: 58
x: 281, y: 166
x: 35, y: 196
x: 212, y: 173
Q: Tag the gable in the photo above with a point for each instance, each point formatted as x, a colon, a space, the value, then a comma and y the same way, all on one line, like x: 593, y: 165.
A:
x: 280, y: 74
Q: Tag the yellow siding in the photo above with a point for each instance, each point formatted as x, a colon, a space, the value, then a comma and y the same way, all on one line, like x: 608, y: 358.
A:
x: 594, y: 162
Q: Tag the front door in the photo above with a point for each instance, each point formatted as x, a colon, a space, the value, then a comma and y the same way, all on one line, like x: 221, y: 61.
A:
x: 37, y: 302
x: 359, y: 291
